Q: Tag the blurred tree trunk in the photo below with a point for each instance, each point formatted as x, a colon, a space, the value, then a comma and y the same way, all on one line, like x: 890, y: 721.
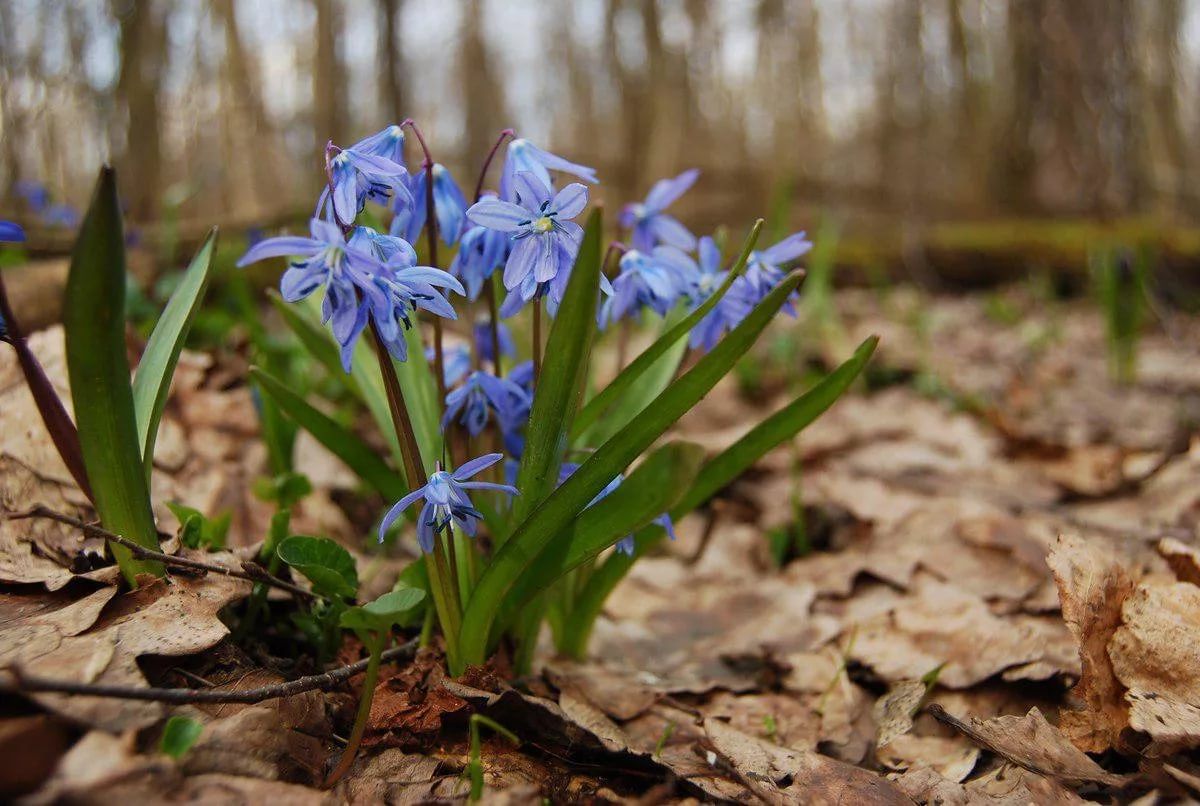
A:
x: 482, y: 94
x: 329, y: 78
x: 1013, y: 180
x: 969, y: 141
x: 143, y: 52
x: 390, y: 60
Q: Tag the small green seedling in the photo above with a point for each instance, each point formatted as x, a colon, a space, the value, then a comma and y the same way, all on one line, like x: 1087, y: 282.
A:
x: 474, y: 770
x: 331, y: 570
x: 179, y: 734
x: 372, y: 623
x: 198, y: 532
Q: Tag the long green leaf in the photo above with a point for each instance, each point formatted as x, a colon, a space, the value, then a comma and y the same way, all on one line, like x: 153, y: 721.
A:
x: 653, y: 488
x: 718, y: 472
x: 630, y: 374
x: 420, y: 395
x: 152, y: 382
x: 94, y: 321
x: 565, y: 503
x: 364, y: 380
x: 563, y: 375
x: 780, y: 426
x: 340, y: 441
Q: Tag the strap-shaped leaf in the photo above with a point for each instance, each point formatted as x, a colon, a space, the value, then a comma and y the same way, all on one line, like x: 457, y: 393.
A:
x: 718, y: 472
x: 340, y: 441
x: 653, y: 488
x: 556, y: 512
x: 152, y: 382
x: 94, y: 322
x: 607, y: 396
x: 563, y: 375
x: 779, y: 427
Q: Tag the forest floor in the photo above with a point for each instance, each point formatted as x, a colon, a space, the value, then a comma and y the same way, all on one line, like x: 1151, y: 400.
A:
x: 987, y: 512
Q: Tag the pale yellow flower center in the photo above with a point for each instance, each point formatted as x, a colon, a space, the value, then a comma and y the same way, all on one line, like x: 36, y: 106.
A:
x: 543, y: 224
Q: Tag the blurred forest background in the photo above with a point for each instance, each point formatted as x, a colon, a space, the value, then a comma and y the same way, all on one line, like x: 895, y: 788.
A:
x: 919, y: 125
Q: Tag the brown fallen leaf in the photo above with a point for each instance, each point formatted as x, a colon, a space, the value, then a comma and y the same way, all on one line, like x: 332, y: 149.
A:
x: 952, y: 758
x: 1006, y: 785
x: 1030, y: 742
x: 1183, y: 559
x: 1155, y: 654
x: 171, y: 617
x: 894, y: 711
x: 779, y: 775
x: 1092, y: 584
x: 31, y: 747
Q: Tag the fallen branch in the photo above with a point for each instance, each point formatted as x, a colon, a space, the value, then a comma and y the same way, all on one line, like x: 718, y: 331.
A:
x: 32, y: 684
x: 249, y: 571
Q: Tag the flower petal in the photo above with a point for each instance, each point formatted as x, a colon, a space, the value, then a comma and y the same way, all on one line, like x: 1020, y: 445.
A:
x: 498, y: 215
x: 283, y: 246
x: 469, y: 469
x: 397, y: 510
x: 666, y: 191
x: 521, y: 262
x: 531, y: 192
x: 570, y: 201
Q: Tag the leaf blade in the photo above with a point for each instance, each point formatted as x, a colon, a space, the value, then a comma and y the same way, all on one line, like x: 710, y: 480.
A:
x: 152, y: 382
x: 94, y: 324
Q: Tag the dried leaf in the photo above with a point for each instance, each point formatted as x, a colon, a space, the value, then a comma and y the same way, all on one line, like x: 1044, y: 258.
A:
x: 1092, y: 584
x: 1030, y: 742
x: 1155, y: 653
x: 894, y: 711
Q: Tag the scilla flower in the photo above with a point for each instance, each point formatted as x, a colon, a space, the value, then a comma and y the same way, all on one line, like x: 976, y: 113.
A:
x: 626, y: 544
x: 481, y: 394
x: 446, y: 500
x: 363, y: 171
x: 524, y: 156
x: 449, y: 206
x: 545, y: 238
x: 480, y: 254
x: 764, y: 268
x: 456, y: 362
x: 710, y: 329
x: 11, y: 232
x: 482, y: 334
x: 656, y: 280
x: 370, y: 278
x: 651, y: 226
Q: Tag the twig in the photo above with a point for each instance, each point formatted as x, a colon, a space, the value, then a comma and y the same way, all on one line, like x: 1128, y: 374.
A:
x: 249, y: 571
x: 29, y: 684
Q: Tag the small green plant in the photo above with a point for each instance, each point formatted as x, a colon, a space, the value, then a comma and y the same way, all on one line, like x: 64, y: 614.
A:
x: 1120, y: 276
x: 198, y: 532
x: 474, y: 771
x: 178, y: 736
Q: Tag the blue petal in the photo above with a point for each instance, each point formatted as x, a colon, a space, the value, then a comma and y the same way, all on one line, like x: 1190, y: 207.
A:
x: 498, y: 215
x: 570, y: 201
x: 666, y: 191
x: 11, y: 232
x: 284, y: 246
x: 469, y: 469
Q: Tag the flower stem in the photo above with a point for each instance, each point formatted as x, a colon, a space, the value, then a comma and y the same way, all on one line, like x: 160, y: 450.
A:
x: 441, y: 583
x: 487, y: 162
x: 439, y: 358
x: 489, y: 290
x: 537, y: 339
x: 364, y: 712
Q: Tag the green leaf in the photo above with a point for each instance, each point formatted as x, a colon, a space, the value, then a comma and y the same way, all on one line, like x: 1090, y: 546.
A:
x: 152, y: 382
x: 340, y: 441
x: 364, y: 380
x: 780, y: 426
x: 383, y: 613
x: 554, y: 514
x: 179, y: 734
x: 199, y: 532
x: 94, y: 321
x: 421, y: 397
x: 563, y: 375
x: 327, y: 565
x: 286, y: 490
x: 651, y: 490
x: 599, y: 404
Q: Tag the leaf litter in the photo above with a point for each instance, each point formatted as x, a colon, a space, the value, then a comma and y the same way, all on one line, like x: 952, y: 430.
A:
x: 1023, y: 526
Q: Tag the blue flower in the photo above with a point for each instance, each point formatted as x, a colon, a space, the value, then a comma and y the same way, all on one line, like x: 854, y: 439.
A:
x: 481, y: 394
x: 627, y: 545
x: 446, y: 499
x: 524, y: 156
x: 545, y: 239
x: 449, y: 206
x: 708, y: 332
x: 456, y: 362
x: 480, y: 254
x: 514, y: 432
x: 370, y: 278
x: 482, y: 333
x: 764, y: 268
x: 650, y: 225
x: 371, y: 168
x: 35, y: 194
x: 656, y: 280
x: 11, y: 232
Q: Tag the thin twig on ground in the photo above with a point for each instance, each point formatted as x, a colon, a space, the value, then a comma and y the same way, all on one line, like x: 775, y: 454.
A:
x: 33, y: 684
x: 249, y: 571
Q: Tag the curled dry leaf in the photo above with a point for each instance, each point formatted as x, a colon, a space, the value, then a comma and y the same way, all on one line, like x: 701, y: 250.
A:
x: 1031, y: 742
x: 1155, y: 654
x: 894, y: 711
x: 1092, y: 585
x: 170, y: 617
x: 952, y: 758
x: 1183, y: 559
